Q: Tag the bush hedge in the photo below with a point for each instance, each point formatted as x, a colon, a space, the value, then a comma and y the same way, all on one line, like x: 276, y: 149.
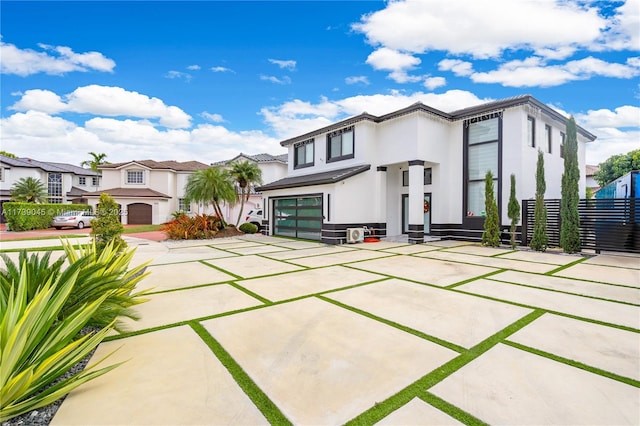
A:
x: 248, y: 228
x: 28, y: 216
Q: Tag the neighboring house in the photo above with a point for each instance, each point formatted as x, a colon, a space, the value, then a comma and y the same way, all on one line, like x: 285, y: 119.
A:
x: 590, y: 171
x: 274, y: 167
x: 65, y: 183
x: 147, y: 191
x: 417, y: 171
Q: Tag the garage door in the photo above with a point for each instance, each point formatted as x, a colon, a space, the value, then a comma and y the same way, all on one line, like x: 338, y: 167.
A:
x: 299, y: 217
x: 139, y: 214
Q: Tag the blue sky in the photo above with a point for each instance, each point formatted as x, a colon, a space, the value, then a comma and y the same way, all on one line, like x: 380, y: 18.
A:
x: 206, y: 80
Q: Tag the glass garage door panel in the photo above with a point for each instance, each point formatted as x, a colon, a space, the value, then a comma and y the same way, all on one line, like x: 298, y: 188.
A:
x: 298, y: 217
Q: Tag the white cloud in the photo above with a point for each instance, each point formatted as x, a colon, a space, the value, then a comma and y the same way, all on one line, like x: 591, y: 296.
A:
x: 483, y: 29
x: 434, y: 82
x: 215, y: 118
x: 458, y: 67
x: 297, y: 117
x: 363, y: 79
x: 392, y: 60
x: 625, y: 27
x: 194, y: 67
x: 132, y: 132
x: 276, y: 80
x: 221, y: 69
x: 179, y: 75
x: 56, y: 60
x: 623, y: 116
x: 284, y: 64
x: 104, y: 100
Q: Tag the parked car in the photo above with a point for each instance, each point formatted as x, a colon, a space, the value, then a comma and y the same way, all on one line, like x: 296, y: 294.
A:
x: 255, y: 217
x: 74, y: 219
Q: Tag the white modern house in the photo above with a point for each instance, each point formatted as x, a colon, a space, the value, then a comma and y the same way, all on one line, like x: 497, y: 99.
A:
x: 273, y: 167
x: 65, y: 183
x: 147, y: 191
x: 417, y: 171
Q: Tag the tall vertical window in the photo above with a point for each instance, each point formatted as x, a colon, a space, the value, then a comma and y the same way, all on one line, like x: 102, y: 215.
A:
x: 547, y: 137
x: 482, y: 156
x: 303, y: 155
x: 531, y: 132
x: 1, y: 174
x: 54, y: 187
x: 563, y: 137
x: 135, y: 176
x: 340, y: 144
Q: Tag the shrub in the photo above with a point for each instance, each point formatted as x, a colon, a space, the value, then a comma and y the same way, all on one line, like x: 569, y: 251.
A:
x: 37, y: 347
x: 193, y: 228
x: 491, y: 234
x: 99, y: 274
x: 106, y: 227
x: 513, y: 210
x: 570, y: 218
x: 540, y: 238
x: 248, y: 228
x: 28, y: 216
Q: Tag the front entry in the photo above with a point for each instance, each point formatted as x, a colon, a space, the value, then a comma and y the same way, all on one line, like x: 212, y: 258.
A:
x: 427, y: 213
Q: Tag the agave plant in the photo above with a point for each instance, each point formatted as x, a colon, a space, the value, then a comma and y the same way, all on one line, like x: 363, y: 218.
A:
x: 37, y: 348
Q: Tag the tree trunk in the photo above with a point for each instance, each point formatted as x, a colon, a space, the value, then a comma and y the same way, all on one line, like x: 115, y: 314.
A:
x: 242, y: 200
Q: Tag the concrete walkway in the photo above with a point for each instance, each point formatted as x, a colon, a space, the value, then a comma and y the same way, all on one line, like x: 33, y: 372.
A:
x: 259, y: 330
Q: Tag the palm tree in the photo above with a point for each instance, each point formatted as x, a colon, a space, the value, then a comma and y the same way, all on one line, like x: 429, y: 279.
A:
x: 98, y: 159
x: 29, y: 190
x: 245, y: 174
x: 213, y: 185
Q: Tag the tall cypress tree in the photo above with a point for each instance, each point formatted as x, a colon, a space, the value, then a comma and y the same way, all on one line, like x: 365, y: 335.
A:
x: 539, y: 239
x: 570, y: 225
x: 491, y: 234
x: 513, y: 210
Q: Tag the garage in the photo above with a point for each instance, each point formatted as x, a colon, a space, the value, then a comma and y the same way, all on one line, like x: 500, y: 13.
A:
x: 139, y: 214
x: 298, y: 217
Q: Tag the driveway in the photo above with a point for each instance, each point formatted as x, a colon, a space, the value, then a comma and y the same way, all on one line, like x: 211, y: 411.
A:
x: 258, y: 330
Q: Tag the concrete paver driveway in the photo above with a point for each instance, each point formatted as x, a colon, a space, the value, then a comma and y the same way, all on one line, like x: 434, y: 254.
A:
x: 262, y: 330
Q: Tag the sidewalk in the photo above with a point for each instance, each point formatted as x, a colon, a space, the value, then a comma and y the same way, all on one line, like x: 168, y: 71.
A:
x: 262, y: 330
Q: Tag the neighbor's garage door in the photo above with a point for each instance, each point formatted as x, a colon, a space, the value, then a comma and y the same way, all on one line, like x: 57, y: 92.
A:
x: 139, y: 214
x: 299, y: 217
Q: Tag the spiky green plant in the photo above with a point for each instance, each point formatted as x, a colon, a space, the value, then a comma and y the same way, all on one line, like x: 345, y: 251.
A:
x: 38, y: 267
x: 106, y: 272
x: 37, y: 348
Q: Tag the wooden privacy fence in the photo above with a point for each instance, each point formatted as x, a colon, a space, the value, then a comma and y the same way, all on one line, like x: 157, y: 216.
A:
x: 611, y: 224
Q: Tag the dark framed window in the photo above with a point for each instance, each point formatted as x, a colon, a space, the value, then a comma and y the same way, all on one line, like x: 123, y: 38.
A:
x: 303, y: 154
x: 531, y: 131
x: 95, y: 181
x: 563, y: 138
x: 427, y: 177
x: 82, y: 180
x: 482, y: 154
x: 54, y: 187
x: 547, y: 137
x: 340, y: 144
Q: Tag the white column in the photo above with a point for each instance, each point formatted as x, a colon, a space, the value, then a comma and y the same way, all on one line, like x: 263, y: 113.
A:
x: 416, y: 201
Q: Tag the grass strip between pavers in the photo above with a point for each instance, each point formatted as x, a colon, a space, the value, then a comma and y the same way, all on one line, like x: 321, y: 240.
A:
x: 251, y: 293
x: 573, y: 363
x: 271, y: 412
x: 568, y: 265
x: 475, y: 278
x: 450, y: 409
x: 418, y: 388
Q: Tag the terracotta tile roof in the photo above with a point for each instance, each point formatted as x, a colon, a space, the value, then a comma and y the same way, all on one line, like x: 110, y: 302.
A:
x: 591, y: 169
x: 186, y: 166
x: 129, y: 193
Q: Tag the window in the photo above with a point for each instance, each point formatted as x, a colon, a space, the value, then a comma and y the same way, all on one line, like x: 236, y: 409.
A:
x: 531, y: 132
x: 427, y: 177
x: 1, y: 174
x: 340, y: 144
x: 95, y: 181
x: 82, y: 180
x: 54, y: 187
x: 183, y: 205
x: 303, y: 154
x: 563, y: 137
x: 482, y: 156
x: 135, y: 176
x: 547, y: 137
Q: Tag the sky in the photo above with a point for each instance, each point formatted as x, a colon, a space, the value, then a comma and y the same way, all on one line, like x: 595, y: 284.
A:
x: 207, y: 80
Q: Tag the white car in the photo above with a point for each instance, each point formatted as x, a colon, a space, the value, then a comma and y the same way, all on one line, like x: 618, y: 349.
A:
x: 255, y: 217
x: 73, y: 219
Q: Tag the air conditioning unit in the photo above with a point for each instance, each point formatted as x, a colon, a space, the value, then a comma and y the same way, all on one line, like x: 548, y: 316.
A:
x: 355, y: 235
